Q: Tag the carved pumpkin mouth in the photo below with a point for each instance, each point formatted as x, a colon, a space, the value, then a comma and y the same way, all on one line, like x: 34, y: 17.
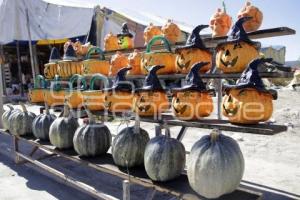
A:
x: 230, y: 111
x: 181, y: 110
x: 230, y: 63
x: 182, y: 64
x: 108, y: 104
x: 144, y: 108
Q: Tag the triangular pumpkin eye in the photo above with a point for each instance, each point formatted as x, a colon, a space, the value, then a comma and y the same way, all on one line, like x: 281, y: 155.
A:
x: 237, y: 46
x: 242, y: 93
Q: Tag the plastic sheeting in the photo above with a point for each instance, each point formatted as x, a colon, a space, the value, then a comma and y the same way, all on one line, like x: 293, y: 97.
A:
x: 46, y: 21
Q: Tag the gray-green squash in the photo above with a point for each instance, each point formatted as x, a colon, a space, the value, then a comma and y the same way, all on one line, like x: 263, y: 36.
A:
x: 41, y: 124
x: 215, y: 166
x: 62, y: 130
x: 6, y: 115
x: 164, y: 157
x: 129, y: 146
x: 21, y: 121
x: 91, y: 138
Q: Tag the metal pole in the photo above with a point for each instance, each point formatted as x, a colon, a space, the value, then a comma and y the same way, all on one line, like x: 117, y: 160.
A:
x: 1, y: 86
x: 20, y: 68
x: 30, y: 45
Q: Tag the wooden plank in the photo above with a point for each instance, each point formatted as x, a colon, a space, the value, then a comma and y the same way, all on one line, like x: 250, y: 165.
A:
x: 178, y: 187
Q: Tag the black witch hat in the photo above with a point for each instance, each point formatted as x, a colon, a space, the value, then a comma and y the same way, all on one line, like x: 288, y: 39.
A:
x: 70, y: 53
x: 193, y: 79
x: 120, y: 83
x: 194, y: 40
x: 54, y: 56
x: 250, y: 78
x: 125, y: 31
x: 238, y: 34
x: 151, y: 82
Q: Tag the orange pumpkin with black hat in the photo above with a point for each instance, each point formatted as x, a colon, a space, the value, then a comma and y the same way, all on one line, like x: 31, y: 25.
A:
x: 70, y: 64
x: 194, y: 51
x: 235, y: 54
x: 192, y: 101
x: 151, y: 99
x: 249, y: 102
x: 125, y: 38
x: 119, y: 97
x: 51, y: 67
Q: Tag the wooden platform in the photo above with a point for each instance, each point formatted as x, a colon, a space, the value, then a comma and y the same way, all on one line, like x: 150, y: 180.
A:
x: 178, y: 187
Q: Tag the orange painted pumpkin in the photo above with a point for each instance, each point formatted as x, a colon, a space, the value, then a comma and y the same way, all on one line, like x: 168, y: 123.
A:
x: 93, y: 66
x: 117, y: 62
x: 171, y: 31
x: 55, y: 95
x: 95, y: 99
x: 36, y: 94
x: 81, y: 49
x: 135, y: 62
x: 74, y: 96
x: 70, y: 64
x: 220, y: 23
x: 251, y: 11
x: 193, y: 52
x: 166, y: 58
x: 151, y: 31
x: 111, y: 42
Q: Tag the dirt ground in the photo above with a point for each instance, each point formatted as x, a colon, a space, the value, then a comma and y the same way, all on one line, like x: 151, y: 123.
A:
x: 272, y: 163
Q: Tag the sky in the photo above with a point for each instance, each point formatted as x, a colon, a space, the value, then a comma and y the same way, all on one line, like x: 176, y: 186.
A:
x: 276, y: 14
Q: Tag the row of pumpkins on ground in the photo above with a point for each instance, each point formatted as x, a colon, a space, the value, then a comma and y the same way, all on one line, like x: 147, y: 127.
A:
x: 232, y: 56
x: 215, y: 165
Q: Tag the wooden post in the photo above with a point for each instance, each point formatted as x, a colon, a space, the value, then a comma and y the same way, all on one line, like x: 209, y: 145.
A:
x: 16, y: 149
x: 30, y: 45
x: 126, y: 190
x: 1, y: 87
x: 19, y: 68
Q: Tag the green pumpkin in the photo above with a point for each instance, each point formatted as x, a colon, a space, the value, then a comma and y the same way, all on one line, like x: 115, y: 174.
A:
x: 21, y: 122
x: 92, y: 139
x: 6, y: 115
x: 62, y: 130
x: 216, y: 165
x: 41, y: 124
x: 129, y: 146
x: 164, y: 158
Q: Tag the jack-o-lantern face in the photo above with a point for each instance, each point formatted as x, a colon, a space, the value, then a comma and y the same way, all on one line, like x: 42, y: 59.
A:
x: 186, y: 58
x: 118, y: 101
x: 234, y: 57
x: 247, y: 106
x: 111, y: 42
x: 220, y: 23
x: 191, y: 105
x: 162, y: 58
x: 117, y: 62
x: 148, y: 103
x: 125, y: 42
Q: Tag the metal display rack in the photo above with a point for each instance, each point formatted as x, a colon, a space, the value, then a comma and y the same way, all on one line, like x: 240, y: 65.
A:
x: 179, y: 187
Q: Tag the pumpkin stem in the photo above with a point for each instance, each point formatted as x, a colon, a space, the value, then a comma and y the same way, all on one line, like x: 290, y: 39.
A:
x: 47, y: 109
x: 214, y: 135
x: 23, y: 106
x: 66, y: 110
x: 224, y: 6
x: 167, y: 131
x: 10, y: 107
x: 157, y: 130
x: 90, y: 115
x: 137, y: 124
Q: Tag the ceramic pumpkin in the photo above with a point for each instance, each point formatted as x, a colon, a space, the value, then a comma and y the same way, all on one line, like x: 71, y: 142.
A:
x: 251, y: 11
x: 74, y: 96
x: 134, y: 60
x: 36, y: 94
x: 81, y: 49
x: 93, y: 66
x: 192, y: 101
x: 70, y: 64
x: 94, y: 98
x: 51, y: 67
x: 171, y: 31
x: 111, y: 42
x: 234, y: 55
x: 151, y: 99
x: 151, y: 31
x: 119, y: 97
x: 166, y: 58
x: 215, y: 166
x: 55, y: 94
x: 194, y: 51
x: 220, y: 23
x: 125, y: 38
x: 248, y: 102
x: 117, y: 62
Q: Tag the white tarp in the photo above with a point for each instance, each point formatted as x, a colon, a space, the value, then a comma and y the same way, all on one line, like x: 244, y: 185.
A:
x: 46, y: 20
